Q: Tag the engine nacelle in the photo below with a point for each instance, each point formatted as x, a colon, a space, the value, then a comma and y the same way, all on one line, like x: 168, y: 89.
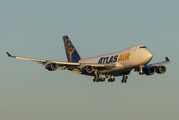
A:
x: 52, y: 66
x: 87, y: 69
x: 149, y: 70
x: 161, y: 69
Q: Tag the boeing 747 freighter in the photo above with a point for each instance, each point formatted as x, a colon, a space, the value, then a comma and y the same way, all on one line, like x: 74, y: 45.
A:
x: 105, y: 66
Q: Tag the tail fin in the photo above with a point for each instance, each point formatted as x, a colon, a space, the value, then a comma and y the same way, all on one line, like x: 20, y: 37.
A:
x: 72, y: 54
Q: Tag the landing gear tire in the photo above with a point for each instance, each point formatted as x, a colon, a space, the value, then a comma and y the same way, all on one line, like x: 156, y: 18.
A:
x: 98, y: 79
x: 124, y: 79
x: 111, y: 79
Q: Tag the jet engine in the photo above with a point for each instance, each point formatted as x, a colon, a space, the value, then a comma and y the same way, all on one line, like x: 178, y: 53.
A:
x: 161, y: 69
x: 149, y: 70
x: 87, y: 69
x: 52, y: 66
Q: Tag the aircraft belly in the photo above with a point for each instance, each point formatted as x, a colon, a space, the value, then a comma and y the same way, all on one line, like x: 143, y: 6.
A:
x: 118, y: 68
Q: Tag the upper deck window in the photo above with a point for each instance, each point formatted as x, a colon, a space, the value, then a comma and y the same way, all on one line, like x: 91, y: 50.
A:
x: 142, y: 47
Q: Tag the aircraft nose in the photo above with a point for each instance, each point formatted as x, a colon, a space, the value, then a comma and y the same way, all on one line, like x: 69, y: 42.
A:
x: 149, y: 55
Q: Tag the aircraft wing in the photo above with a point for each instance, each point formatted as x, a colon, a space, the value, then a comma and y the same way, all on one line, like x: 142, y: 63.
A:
x: 45, y: 61
x: 69, y: 64
x: 160, y: 63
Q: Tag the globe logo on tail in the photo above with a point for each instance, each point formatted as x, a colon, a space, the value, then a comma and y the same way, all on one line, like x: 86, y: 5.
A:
x: 69, y: 48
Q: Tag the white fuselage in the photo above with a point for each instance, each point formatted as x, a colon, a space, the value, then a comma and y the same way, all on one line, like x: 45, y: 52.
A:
x: 125, y: 59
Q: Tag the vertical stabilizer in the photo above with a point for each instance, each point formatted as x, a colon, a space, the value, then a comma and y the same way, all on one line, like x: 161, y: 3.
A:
x: 72, y: 54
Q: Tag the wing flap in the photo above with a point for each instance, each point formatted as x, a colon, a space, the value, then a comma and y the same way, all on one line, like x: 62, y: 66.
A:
x: 66, y: 63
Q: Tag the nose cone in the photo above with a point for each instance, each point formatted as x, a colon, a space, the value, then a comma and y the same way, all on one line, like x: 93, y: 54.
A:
x: 144, y: 56
x: 149, y: 56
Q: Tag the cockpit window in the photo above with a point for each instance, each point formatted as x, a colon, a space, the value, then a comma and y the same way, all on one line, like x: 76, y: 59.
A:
x: 142, y: 47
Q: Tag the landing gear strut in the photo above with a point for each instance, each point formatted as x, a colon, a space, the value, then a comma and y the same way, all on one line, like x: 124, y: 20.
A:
x: 124, y: 79
x: 111, y: 79
x: 97, y: 79
x: 141, y: 72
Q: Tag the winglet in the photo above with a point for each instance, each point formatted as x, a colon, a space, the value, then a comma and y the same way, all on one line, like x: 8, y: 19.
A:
x: 9, y: 54
x: 167, y: 59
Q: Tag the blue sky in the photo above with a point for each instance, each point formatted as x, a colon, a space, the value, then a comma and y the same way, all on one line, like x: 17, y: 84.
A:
x: 35, y: 29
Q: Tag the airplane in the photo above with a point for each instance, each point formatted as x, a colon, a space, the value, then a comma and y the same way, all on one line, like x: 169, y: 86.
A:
x: 105, y: 66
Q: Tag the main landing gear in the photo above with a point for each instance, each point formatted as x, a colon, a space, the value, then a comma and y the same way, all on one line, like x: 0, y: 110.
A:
x: 97, y: 79
x: 101, y: 79
x: 111, y: 79
x: 124, y: 79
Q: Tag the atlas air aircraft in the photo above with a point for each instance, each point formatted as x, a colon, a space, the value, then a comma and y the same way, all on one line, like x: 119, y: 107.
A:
x: 105, y: 66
